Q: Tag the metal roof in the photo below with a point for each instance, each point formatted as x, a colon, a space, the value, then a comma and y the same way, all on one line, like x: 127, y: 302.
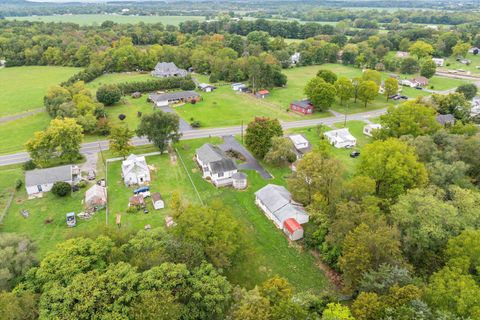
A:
x: 49, y: 175
x: 173, y: 96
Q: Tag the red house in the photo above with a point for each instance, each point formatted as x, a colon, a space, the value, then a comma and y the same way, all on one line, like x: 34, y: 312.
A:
x: 302, y: 106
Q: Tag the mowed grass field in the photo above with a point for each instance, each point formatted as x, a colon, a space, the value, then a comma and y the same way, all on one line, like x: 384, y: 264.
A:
x: 91, y: 19
x: 23, y: 88
x: 115, y: 78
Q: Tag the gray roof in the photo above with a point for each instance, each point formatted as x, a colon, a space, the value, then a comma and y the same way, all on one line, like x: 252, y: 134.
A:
x: 168, y: 69
x: 218, y: 161
x: 444, y: 119
x: 278, y: 201
x: 239, y: 176
x: 173, y: 96
x: 156, y: 196
x: 302, y: 104
x: 49, y: 175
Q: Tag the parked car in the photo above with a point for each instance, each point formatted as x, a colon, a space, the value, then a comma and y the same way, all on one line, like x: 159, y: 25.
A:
x: 141, y: 190
x: 354, y: 154
x: 71, y: 220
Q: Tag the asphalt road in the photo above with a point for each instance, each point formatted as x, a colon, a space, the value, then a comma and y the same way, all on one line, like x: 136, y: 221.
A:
x: 94, y: 147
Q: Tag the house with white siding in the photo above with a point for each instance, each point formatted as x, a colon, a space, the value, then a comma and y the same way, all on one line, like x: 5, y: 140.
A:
x: 42, y: 180
x: 135, y: 170
x: 215, y: 165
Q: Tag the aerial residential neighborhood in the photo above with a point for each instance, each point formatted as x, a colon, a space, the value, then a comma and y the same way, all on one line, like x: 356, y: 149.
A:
x: 239, y: 160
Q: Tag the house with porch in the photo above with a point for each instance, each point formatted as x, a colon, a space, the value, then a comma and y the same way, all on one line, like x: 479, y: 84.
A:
x: 215, y: 165
x: 42, y: 180
x: 135, y: 171
x: 165, y: 99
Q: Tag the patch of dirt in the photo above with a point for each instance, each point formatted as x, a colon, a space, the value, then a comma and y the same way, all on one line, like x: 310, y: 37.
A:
x: 333, y: 276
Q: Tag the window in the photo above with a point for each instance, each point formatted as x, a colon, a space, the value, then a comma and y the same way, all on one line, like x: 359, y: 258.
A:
x: 39, y: 187
x: 220, y: 174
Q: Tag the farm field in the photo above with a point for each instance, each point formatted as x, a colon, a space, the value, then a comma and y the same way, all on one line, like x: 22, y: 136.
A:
x: 91, y: 19
x: 23, y: 88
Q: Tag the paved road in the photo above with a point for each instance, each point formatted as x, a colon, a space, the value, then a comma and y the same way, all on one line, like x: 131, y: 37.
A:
x: 21, y: 115
x: 251, y: 163
x: 94, y: 147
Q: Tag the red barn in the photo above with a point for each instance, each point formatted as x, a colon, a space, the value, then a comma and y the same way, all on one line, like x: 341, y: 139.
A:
x: 302, y: 106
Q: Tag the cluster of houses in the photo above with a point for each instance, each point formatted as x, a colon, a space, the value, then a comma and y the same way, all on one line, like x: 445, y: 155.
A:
x: 241, y: 87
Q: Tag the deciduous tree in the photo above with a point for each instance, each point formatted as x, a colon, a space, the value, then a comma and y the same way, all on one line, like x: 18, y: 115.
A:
x: 259, y: 134
x: 344, y: 88
x: 391, y: 87
x: 367, y: 91
x: 120, y: 140
x: 161, y: 128
x: 321, y: 93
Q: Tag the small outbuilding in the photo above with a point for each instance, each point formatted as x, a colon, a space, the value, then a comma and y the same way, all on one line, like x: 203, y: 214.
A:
x: 239, y: 180
x: 136, y: 201
x: 439, y: 62
x: 420, y: 81
x: 302, y: 106
x: 293, y: 229
x: 136, y: 95
x: 370, y: 128
x: 157, y: 201
x: 205, y: 87
x: 341, y: 138
x: 239, y: 87
x: 262, y: 94
x: 96, y: 198
x: 300, y: 145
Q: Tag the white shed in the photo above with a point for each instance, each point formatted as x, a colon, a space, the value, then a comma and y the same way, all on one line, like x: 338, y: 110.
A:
x: 157, y: 201
x: 370, y: 128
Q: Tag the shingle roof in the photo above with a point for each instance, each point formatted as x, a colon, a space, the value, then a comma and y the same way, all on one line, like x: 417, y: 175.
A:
x: 444, y: 119
x: 134, y: 163
x: 304, y: 104
x: 215, y: 158
x: 168, y: 69
x: 49, y: 175
x: 173, y: 96
x: 239, y: 176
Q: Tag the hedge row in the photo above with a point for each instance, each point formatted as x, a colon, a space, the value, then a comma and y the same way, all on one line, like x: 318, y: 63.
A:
x: 87, y: 75
x: 157, y: 84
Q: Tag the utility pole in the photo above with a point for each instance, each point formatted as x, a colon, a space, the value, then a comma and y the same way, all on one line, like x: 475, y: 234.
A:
x: 242, y: 131
x: 345, y: 121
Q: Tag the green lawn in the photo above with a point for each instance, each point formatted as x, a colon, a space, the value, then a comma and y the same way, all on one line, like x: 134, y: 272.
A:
x: 114, y: 78
x: 23, y: 88
x: 91, y: 19
x: 454, y: 65
x: 356, y: 129
x: 14, y: 134
x: 224, y: 107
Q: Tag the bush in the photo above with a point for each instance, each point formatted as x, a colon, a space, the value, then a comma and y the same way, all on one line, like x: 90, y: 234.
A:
x: 122, y: 116
x: 61, y: 189
x: 193, y: 101
x: 195, y: 124
x: 109, y: 94
x: 82, y: 184
x: 103, y: 126
x: 29, y: 165
x: 18, y: 184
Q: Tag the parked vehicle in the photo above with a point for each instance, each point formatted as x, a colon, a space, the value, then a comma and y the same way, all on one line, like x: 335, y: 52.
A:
x: 141, y: 190
x: 71, y: 220
x: 355, y: 154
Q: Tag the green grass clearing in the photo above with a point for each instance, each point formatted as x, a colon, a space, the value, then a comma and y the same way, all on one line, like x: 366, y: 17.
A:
x: 23, y: 88
x: 115, y: 78
x: 97, y: 19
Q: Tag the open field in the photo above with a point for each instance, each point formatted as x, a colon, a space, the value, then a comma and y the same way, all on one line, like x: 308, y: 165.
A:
x: 90, y: 19
x: 224, y: 107
x: 454, y: 65
x: 115, y: 78
x: 23, y: 88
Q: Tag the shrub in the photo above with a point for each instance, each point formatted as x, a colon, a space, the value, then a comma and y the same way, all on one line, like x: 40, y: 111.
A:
x: 29, y: 165
x: 18, y: 184
x: 122, y: 116
x: 193, y: 101
x: 61, y: 189
x: 103, y: 126
x: 82, y: 184
x: 109, y: 94
x: 195, y: 124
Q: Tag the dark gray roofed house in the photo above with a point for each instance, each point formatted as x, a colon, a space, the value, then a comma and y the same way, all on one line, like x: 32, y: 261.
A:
x: 42, y: 180
x: 215, y: 165
x: 446, y: 120
x: 164, y: 99
x: 168, y: 69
